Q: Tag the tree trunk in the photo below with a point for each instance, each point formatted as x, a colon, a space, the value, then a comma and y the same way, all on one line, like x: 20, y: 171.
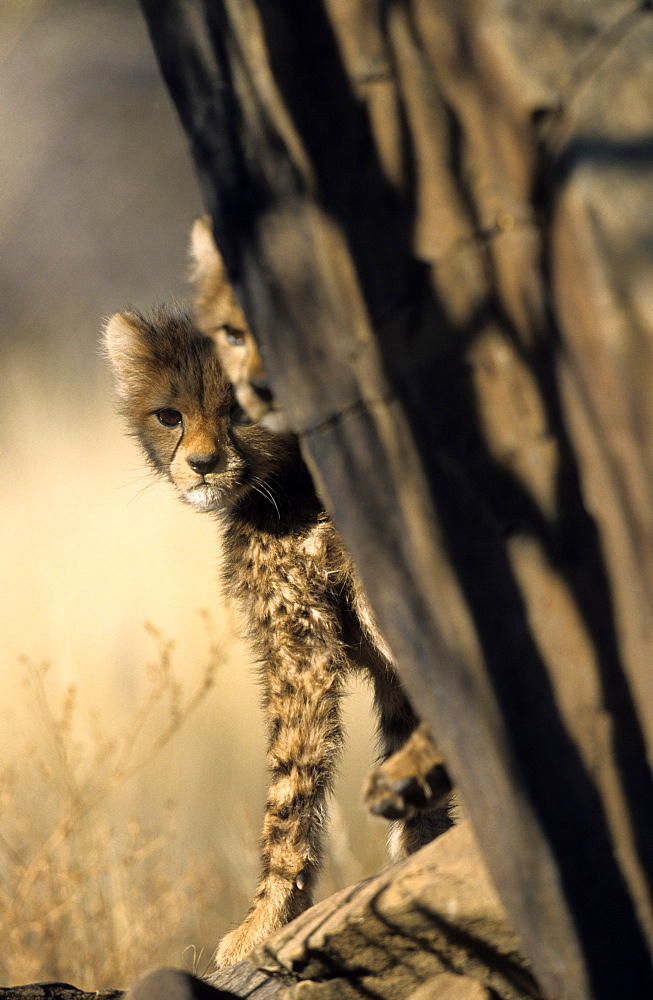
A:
x: 437, y: 217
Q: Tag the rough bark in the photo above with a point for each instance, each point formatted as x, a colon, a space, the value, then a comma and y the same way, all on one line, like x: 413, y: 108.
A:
x: 437, y: 216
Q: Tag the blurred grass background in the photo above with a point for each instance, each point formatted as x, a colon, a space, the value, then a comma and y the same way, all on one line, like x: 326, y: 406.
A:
x: 96, y: 202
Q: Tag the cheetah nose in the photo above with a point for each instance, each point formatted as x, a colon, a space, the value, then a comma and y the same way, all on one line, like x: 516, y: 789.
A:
x: 201, y: 464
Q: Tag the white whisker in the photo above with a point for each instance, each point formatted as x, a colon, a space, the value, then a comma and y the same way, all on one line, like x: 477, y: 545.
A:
x: 264, y: 490
x: 137, y: 479
x: 141, y: 492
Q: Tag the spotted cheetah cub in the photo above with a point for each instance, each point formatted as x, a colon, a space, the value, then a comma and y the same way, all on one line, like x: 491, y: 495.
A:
x: 299, y: 593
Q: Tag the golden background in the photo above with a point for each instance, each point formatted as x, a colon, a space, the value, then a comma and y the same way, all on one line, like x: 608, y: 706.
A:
x: 102, y: 874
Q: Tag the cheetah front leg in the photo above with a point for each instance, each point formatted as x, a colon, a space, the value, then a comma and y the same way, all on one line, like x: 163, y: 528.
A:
x: 303, y: 707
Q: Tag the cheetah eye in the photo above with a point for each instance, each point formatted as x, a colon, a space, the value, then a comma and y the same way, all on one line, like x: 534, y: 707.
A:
x: 234, y: 336
x: 168, y: 417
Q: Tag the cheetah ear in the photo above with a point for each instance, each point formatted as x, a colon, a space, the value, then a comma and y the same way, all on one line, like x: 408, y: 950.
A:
x: 206, y: 261
x: 125, y: 347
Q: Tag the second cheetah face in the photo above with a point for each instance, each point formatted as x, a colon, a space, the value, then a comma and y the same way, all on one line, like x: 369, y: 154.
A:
x: 182, y: 408
x: 220, y: 316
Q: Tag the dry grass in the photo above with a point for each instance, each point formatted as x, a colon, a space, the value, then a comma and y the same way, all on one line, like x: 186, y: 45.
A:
x: 87, y: 897
x: 94, y: 897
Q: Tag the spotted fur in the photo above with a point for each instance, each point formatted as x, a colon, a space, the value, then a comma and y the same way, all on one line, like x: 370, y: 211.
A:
x: 299, y: 593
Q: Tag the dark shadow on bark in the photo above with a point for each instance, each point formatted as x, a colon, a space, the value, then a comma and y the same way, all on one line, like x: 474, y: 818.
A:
x: 561, y: 791
x: 576, y: 548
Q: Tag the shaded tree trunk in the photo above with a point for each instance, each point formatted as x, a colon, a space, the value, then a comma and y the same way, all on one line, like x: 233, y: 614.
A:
x: 437, y: 217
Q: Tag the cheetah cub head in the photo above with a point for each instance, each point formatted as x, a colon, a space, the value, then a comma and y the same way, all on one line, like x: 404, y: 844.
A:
x: 181, y: 406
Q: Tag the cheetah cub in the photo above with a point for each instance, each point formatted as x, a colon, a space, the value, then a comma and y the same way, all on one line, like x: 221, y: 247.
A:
x: 296, y: 586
